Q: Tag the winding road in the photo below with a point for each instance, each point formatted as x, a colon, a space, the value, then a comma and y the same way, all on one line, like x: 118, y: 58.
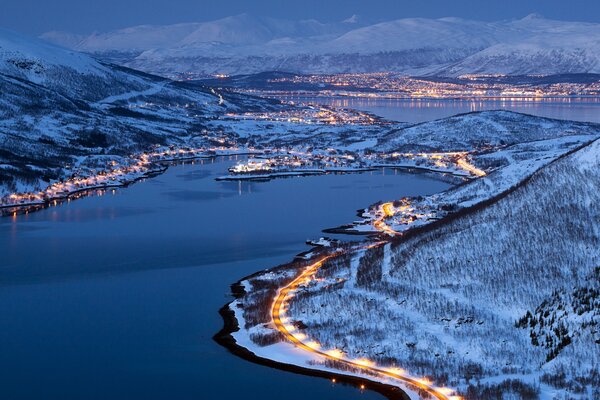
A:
x: 290, y: 332
x: 380, y: 224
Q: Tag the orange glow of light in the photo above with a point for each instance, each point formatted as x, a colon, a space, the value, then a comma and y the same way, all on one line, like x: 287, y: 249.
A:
x: 388, y: 209
x: 335, y: 353
x: 446, y: 391
x: 424, y: 381
x: 383, y: 227
x: 364, y: 362
x: 396, y: 371
x: 464, y: 164
x: 313, y: 344
x: 300, y: 336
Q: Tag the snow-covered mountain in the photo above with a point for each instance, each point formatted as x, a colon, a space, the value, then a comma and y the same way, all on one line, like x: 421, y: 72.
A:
x: 463, y: 132
x: 59, y: 107
x: 239, y: 30
x: 447, y: 46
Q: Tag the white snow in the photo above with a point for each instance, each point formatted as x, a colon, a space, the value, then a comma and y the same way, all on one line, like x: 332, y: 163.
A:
x: 15, y: 48
x: 448, y: 46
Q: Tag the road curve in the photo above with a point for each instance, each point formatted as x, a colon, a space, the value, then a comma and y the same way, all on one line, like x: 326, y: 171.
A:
x: 287, y: 330
x: 380, y: 224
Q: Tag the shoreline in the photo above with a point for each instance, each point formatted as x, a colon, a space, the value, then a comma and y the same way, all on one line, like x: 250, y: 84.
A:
x: 287, y: 174
x: 231, y: 325
x: 335, y: 171
x: 231, y: 322
x: 14, y: 209
x: 161, y: 166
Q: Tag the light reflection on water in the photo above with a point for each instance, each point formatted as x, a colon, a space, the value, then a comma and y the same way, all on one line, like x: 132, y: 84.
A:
x: 421, y: 110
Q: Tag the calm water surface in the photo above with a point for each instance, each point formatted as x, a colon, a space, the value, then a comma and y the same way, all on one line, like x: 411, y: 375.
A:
x: 116, y: 297
x: 421, y: 110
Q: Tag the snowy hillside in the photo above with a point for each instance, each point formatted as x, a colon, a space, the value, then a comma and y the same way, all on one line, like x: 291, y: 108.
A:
x: 15, y: 48
x: 501, y: 300
x: 66, y: 72
x: 465, y: 132
x: 239, y: 29
x: 447, y: 46
x: 488, y: 290
x: 59, y: 109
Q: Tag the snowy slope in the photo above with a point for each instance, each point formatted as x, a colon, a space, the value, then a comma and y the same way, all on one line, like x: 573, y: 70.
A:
x: 135, y: 38
x: 240, y: 29
x: 418, y: 33
x: 58, y: 107
x: 447, y: 46
x: 544, y: 47
x: 66, y: 72
x: 15, y: 48
x: 506, y: 294
x: 464, y: 132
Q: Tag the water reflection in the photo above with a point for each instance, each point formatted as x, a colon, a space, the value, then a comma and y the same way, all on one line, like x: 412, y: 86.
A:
x: 421, y: 110
x: 195, y: 195
x: 195, y: 175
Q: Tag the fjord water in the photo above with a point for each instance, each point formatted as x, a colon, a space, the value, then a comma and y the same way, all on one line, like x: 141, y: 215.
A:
x: 116, y: 296
x: 422, y: 110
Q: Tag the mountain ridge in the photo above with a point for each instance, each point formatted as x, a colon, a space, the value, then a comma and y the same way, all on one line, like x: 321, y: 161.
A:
x: 416, y: 46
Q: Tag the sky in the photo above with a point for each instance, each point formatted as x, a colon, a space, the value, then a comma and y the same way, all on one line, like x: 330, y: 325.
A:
x: 85, y: 16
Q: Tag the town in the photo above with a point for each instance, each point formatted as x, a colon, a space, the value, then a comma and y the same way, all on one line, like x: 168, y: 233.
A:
x: 396, y: 85
x: 100, y: 173
x: 285, y: 162
x: 303, y: 113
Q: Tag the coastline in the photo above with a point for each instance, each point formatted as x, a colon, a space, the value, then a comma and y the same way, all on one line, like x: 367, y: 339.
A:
x: 226, y: 339
x: 24, y: 208
x: 233, y: 320
x: 160, y: 167
x: 308, y: 172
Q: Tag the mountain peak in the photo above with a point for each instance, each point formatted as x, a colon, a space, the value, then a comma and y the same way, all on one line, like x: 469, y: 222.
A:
x: 445, y: 46
x: 533, y: 16
x: 25, y: 55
